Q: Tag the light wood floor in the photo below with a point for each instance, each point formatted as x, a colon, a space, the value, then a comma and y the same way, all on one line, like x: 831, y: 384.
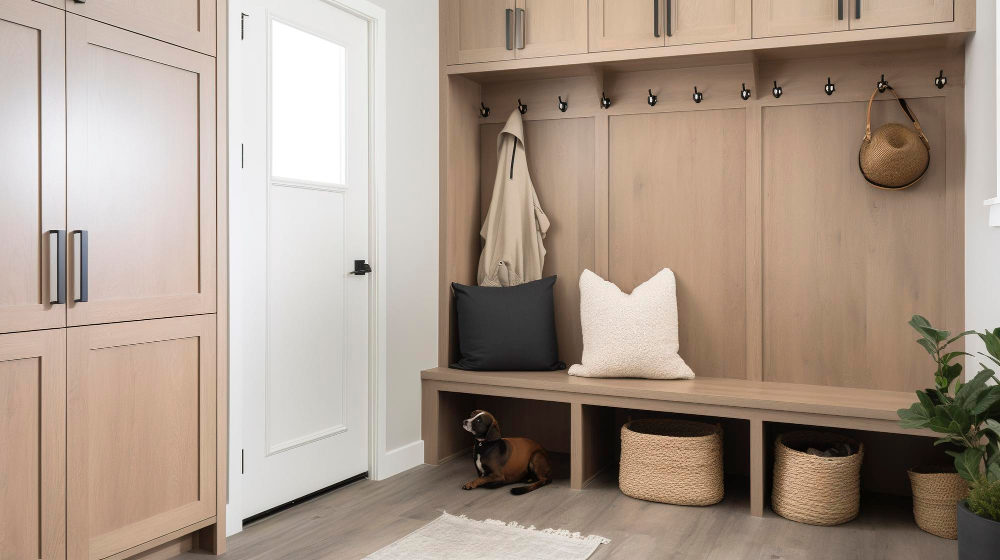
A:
x: 356, y: 520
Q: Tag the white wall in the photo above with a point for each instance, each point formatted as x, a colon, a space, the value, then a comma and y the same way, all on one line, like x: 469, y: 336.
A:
x: 412, y: 218
x: 982, y: 242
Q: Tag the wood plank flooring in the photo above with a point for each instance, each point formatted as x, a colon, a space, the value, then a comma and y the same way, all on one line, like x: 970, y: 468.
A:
x: 358, y: 519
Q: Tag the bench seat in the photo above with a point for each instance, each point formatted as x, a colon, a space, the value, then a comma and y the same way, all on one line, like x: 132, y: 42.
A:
x: 756, y: 401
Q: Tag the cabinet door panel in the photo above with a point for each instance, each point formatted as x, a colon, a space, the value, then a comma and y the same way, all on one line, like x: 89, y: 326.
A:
x: 480, y: 30
x: 141, y: 174
x: 32, y: 161
x: 773, y: 18
x: 187, y: 23
x: 33, y: 444
x: 706, y: 21
x: 889, y: 13
x: 141, y: 410
x: 625, y: 24
x: 553, y: 27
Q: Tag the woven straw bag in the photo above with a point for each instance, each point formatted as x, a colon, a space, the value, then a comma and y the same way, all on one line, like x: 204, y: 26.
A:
x: 936, y: 493
x: 672, y: 462
x: 895, y: 156
x: 816, y: 490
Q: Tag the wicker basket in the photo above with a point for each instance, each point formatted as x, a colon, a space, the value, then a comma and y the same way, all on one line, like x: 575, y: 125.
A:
x: 936, y: 493
x: 816, y: 490
x: 672, y: 461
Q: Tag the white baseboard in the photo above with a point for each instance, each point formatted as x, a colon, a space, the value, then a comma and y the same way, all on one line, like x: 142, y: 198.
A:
x: 401, y: 459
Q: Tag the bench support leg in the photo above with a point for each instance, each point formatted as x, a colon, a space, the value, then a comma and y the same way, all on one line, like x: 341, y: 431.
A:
x: 441, y: 418
x: 757, y: 474
x: 429, y: 417
x: 590, y: 443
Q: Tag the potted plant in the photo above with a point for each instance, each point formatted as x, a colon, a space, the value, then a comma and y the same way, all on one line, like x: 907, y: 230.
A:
x: 968, y: 416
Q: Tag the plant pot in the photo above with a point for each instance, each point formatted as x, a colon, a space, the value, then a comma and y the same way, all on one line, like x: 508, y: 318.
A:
x: 936, y: 493
x: 978, y: 537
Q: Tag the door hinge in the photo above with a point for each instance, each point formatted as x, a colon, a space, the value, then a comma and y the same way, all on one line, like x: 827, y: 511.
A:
x: 242, y: 464
x: 242, y: 27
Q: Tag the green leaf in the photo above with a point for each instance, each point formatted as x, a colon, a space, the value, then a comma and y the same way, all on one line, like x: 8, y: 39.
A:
x: 950, y: 419
x: 993, y: 473
x: 969, y: 392
x: 926, y: 401
x: 928, y: 345
x: 967, y: 463
x: 952, y: 371
x: 957, y: 336
x: 914, y: 417
x: 987, y: 398
x: 922, y: 326
x: 992, y: 425
x: 952, y: 355
x: 921, y: 321
x: 992, y: 343
x: 945, y: 439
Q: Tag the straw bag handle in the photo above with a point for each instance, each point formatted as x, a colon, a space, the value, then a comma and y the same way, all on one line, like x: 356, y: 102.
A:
x: 906, y: 109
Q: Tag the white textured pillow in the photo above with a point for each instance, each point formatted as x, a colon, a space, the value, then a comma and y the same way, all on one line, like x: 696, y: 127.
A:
x: 630, y: 335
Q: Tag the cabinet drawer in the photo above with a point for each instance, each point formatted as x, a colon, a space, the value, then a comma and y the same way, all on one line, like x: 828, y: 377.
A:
x: 186, y: 23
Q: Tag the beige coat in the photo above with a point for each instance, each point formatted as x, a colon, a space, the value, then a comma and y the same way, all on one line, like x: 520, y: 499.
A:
x: 515, y: 225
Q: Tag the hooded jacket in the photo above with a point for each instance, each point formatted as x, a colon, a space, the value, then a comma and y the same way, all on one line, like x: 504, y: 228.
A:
x: 515, y: 224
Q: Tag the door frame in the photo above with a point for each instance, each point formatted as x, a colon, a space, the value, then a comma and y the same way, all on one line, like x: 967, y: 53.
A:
x: 375, y: 17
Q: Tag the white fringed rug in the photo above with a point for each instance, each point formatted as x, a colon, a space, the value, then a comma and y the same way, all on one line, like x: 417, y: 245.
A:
x: 459, y: 538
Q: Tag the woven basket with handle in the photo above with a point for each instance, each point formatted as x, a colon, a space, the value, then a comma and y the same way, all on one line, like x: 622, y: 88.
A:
x: 895, y: 156
x: 672, y: 461
x: 816, y: 490
x: 936, y: 493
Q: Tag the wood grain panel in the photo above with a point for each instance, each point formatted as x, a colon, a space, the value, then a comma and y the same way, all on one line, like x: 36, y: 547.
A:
x: 186, y: 23
x: 32, y: 161
x: 33, y: 444
x: 553, y: 27
x: 889, y: 13
x: 677, y: 192
x: 560, y: 157
x: 142, y: 445
x: 624, y: 24
x: 477, y: 30
x: 774, y: 18
x: 705, y: 21
x: 846, y: 265
x: 142, y: 174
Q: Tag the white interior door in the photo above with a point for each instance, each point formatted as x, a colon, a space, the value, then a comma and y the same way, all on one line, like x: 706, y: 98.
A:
x: 306, y: 174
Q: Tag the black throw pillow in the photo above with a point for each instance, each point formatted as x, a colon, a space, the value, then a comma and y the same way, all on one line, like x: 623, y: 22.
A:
x: 507, y: 329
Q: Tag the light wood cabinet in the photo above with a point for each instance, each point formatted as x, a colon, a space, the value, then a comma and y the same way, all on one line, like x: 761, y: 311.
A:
x: 141, y: 176
x: 33, y: 445
x: 480, y: 30
x: 32, y: 163
x: 867, y: 14
x: 626, y: 24
x: 187, y: 23
x: 141, y: 439
x: 550, y: 28
x: 706, y: 21
x: 773, y: 18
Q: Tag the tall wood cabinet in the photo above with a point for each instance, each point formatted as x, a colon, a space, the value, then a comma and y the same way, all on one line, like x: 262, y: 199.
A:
x: 111, y: 304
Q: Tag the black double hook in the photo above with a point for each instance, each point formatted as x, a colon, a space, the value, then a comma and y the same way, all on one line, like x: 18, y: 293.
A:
x: 776, y: 90
x: 941, y: 80
x: 744, y: 92
x: 521, y: 106
x: 829, y: 88
x: 563, y: 105
x: 605, y: 101
x: 485, y: 111
x: 882, y: 84
x: 651, y: 99
x: 697, y: 96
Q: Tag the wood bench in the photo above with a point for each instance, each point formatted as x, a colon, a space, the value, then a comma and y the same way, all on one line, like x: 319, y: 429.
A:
x: 755, y: 401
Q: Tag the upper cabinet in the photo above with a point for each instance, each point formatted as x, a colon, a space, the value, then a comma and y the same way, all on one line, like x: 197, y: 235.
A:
x: 186, y: 23
x: 625, y: 24
x: 773, y: 18
x: 706, y: 21
x: 491, y: 30
x: 866, y: 14
x: 32, y: 167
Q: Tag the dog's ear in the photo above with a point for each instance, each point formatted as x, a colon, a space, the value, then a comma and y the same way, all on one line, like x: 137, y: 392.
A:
x: 493, y: 433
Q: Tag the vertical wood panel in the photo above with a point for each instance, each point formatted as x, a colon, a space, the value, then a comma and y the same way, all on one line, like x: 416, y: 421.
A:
x: 677, y: 200
x: 753, y: 244
x: 845, y: 264
x: 560, y: 156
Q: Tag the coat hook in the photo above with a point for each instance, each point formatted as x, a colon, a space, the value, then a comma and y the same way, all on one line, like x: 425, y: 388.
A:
x: 697, y: 95
x: 744, y: 92
x: 605, y: 101
x: 882, y: 84
x: 776, y: 91
x: 485, y: 111
x: 521, y: 107
x: 829, y: 88
x: 563, y: 105
x: 941, y: 80
x: 651, y: 99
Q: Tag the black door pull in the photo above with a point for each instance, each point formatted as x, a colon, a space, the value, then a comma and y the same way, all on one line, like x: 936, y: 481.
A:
x: 361, y: 268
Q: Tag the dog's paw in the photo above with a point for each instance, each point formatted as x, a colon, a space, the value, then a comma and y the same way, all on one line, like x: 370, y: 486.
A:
x: 467, y: 486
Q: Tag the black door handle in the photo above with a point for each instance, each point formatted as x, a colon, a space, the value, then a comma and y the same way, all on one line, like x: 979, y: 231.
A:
x: 81, y: 252
x: 361, y: 268
x: 57, y: 266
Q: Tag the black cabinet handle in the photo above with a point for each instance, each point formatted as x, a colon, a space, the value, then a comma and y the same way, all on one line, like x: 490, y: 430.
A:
x: 840, y: 9
x: 519, y: 29
x: 57, y: 266
x: 361, y: 268
x: 669, y: 10
x: 508, y: 18
x: 81, y: 279
x: 857, y: 9
x: 656, y: 18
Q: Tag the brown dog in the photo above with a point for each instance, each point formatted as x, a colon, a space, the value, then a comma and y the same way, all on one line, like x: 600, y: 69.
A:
x: 501, y: 461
